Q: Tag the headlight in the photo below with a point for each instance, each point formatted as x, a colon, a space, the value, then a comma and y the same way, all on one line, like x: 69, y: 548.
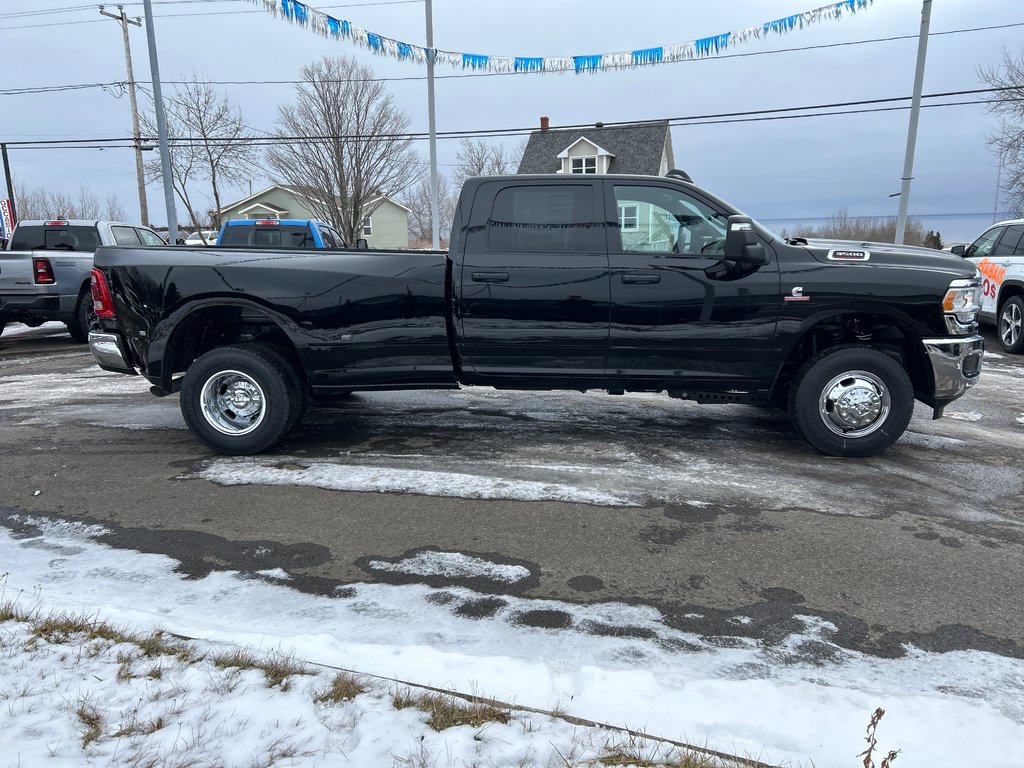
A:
x: 961, y: 305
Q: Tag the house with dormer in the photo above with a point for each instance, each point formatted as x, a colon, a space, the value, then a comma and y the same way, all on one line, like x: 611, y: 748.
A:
x: 643, y: 148
x: 386, y: 227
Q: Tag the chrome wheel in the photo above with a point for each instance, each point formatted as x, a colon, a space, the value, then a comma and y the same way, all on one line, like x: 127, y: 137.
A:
x: 232, y: 403
x: 854, y: 404
x: 1010, y: 324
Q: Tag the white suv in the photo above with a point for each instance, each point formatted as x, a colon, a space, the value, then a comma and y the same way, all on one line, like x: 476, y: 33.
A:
x: 197, y: 238
x: 999, y: 255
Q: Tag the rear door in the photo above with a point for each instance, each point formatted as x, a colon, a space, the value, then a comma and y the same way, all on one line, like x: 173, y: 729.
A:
x: 534, y: 281
x: 677, y: 313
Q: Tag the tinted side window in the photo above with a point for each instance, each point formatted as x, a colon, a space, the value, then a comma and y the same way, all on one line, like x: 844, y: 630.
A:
x: 555, y: 218
x: 125, y: 236
x: 983, y: 245
x: 1010, y: 243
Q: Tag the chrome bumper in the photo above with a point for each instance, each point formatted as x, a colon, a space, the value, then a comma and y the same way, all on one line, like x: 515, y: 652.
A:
x: 956, y: 364
x: 109, y: 352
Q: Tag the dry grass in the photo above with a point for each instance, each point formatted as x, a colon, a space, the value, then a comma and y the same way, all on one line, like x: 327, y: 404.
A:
x: 278, y: 669
x: 91, y: 719
x: 447, y: 711
x: 344, y: 687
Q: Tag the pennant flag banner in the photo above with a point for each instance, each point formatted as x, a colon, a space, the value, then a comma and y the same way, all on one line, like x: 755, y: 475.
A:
x: 306, y: 16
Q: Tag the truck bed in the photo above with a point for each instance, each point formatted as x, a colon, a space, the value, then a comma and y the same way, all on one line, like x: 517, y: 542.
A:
x: 358, y: 318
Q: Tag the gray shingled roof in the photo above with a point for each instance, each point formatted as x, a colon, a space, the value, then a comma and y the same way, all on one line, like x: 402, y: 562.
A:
x: 637, y: 148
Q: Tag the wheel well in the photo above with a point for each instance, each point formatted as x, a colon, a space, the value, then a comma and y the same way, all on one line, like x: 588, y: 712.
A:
x: 877, y: 331
x: 1006, y: 293
x: 213, y: 327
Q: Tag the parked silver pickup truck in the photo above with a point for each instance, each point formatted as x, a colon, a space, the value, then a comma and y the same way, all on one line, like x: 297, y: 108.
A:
x: 45, y: 270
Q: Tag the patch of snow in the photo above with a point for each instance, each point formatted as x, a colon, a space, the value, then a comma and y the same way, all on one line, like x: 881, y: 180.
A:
x: 453, y: 565
x: 969, y: 416
x: 346, y: 477
x: 739, y: 699
x: 275, y: 573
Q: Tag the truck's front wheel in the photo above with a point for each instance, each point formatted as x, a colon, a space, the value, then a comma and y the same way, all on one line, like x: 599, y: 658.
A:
x: 851, y: 401
x: 240, y: 399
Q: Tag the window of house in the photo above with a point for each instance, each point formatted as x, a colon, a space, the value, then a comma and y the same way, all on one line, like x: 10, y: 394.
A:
x: 543, y: 219
x: 584, y: 164
x: 629, y: 216
x: 367, y: 227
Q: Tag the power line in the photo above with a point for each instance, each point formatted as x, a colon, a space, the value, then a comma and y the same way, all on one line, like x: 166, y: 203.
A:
x: 691, y: 120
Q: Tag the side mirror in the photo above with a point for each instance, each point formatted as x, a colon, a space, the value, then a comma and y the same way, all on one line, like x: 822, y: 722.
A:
x: 958, y: 250
x: 361, y: 244
x: 741, y: 243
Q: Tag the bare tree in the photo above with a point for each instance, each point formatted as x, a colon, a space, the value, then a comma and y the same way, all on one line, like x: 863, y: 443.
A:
x: 40, y: 203
x: 1008, y: 139
x: 417, y: 200
x: 478, y: 158
x: 211, y: 145
x: 343, y: 144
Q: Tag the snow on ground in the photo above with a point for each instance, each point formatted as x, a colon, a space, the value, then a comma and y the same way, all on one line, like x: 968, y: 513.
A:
x: 47, y: 330
x: 779, y: 703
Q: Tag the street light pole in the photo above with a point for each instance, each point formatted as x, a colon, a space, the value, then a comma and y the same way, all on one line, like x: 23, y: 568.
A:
x: 161, y: 128
x: 140, y: 174
x: 915, y: 114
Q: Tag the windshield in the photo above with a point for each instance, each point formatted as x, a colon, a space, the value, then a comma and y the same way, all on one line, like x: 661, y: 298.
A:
x: 285, y: 236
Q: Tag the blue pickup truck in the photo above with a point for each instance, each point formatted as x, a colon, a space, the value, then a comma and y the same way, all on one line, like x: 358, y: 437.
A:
x: 279, y: 233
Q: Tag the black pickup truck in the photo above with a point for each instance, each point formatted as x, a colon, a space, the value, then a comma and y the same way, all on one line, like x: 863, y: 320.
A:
x: 616, y: 283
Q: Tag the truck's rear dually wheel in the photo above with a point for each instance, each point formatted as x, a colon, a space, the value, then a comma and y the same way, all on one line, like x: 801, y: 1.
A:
x: 241, y: 399
x: 851, y: 401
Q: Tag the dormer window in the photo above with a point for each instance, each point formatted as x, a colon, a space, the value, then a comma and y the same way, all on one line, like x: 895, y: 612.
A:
x: 584, y: 156
x: 584, y: 164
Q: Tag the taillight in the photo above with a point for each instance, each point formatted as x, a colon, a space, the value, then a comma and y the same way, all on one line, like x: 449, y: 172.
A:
x: 42, y: 272
x: 101, y: 301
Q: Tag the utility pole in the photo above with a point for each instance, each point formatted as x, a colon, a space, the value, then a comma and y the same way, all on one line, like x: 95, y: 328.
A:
x: 10, y: 185
x: 915, y: 114
x: 140, y: 174
x: 435, y: 235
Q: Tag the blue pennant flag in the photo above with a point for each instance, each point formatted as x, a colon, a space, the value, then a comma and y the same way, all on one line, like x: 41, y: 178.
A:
x: 528, y: 64
x: 474, y: 61
x: 782, y: 26
x: 404, y: 50
x: 286, y: 8
x: 648, y: 55
x: 709, y: 45
x: 334, y: 26
x: 301, y: 15
x: 374, y: 41
x: 587, y: 63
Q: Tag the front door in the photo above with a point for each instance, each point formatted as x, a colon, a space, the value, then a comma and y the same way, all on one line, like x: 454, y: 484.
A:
x: 678, y: 311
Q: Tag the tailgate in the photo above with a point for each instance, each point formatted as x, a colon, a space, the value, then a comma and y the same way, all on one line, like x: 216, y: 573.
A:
x: 16, y: 274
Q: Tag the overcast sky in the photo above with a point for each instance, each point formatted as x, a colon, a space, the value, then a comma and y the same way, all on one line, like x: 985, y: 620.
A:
x: 779, y: 169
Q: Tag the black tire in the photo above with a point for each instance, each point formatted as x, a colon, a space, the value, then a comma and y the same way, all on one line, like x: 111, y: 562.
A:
x: 1011, y: 325
x: 299, y: 385
x: 78, y: 326
x: 851, y: 401
x: 2, y: 328
x: 241, y: 399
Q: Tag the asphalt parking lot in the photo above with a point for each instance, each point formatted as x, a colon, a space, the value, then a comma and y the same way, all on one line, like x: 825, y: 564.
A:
x: 721, y: 517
